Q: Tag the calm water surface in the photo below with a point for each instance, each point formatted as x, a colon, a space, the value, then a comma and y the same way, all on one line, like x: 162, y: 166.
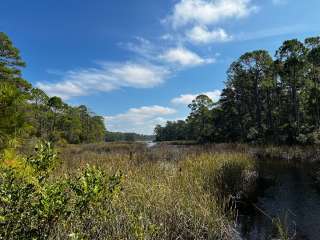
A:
x: 292, y: 197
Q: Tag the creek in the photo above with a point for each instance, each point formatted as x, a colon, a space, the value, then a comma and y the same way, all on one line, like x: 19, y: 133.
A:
x: 287, y: 193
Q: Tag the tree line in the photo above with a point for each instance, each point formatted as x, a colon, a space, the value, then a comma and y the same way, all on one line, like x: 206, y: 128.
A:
x: 27, y: 112
x: 265, y: 100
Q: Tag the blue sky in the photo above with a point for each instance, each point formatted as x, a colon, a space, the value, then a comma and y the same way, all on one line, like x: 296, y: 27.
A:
x: 140, y: 62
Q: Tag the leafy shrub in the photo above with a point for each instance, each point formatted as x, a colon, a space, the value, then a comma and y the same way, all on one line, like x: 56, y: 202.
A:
x: 44, y: 159
x: 32, y: 207
x: 17, y: 212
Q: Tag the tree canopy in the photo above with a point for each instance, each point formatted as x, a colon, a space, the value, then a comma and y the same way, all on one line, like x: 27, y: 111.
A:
x: 26, y: 111
x: 265, y: 100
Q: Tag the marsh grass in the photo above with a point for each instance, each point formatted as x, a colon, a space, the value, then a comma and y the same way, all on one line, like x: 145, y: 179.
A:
x: 292, y: 154
x: 128, y: 191
x: 282, y: 229
x: 168, y: 192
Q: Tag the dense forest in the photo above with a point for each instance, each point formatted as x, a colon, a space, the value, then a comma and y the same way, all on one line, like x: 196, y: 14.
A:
x: 27, y: 112
x: 265, y: 100
x: 130, y: 137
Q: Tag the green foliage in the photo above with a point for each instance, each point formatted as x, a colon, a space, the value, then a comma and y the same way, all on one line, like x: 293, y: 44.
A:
x: 200, y: 118
x: 27, y: 111
x: 88, y: 187
x: 44, y: 159
x: 12, y: 115
x: 56, y: 121
x: 154, y: 200
x: 16, y: 206
x: 35, y: 209
x: 11, y: 64
x: 264, y: 101
x: 172, y: 131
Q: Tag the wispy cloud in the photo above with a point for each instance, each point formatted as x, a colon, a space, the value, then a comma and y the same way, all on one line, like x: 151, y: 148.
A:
x: 186, y: 99
x: 106, y: 77
x: 140, y: 120
x: 152, y: 66
x: 143, y: 48
x: 184, y: 57
x: 172, y: 56
x: 154, y: 62
x: 207, y: 12
x: 202, y: 35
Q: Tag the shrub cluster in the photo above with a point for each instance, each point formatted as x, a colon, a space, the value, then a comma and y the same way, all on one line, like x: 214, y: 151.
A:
x: 33, y: 206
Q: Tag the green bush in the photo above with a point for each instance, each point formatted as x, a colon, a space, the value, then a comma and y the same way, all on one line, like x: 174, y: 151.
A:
x: 33, y: 207
x: 44, y: 160
x: 17, y: 206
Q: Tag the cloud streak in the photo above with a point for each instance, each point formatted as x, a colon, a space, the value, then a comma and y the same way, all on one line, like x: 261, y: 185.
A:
x: 184, y: 57
x: 140, y: 120
x: 106, y: 77
x: 155, y: 63
x: 202, y: 35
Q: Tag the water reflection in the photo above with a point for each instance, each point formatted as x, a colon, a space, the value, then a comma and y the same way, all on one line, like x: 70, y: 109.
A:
x: 292, y: 198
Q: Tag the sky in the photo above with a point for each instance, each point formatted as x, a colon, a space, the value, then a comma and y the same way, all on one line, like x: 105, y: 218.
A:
x: 139, y: 63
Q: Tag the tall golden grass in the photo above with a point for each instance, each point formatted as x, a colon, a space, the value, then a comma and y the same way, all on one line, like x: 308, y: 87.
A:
x: 167, y: 192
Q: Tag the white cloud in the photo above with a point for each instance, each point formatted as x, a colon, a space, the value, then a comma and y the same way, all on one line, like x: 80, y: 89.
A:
x: 65, y: 89
x: 184, y: 57
x: 105, y: 78
x: 142, y: 47
x: 140, y: 120
x: 201, y: 35
x: 167, y: 36
x: 152, y: 69
x: 186, y: 99
x: 206, y: 12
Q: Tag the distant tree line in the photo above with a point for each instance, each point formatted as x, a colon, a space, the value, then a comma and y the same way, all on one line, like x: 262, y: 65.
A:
x: 128, y: 137
x: 26, y: 111
x: 265, y: 100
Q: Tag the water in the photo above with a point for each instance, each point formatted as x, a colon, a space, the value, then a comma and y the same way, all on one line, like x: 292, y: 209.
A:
x: 151, y: 144
x: 292, y: 197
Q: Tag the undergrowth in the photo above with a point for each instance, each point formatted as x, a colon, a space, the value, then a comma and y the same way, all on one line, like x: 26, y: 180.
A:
x: 116, y: 193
